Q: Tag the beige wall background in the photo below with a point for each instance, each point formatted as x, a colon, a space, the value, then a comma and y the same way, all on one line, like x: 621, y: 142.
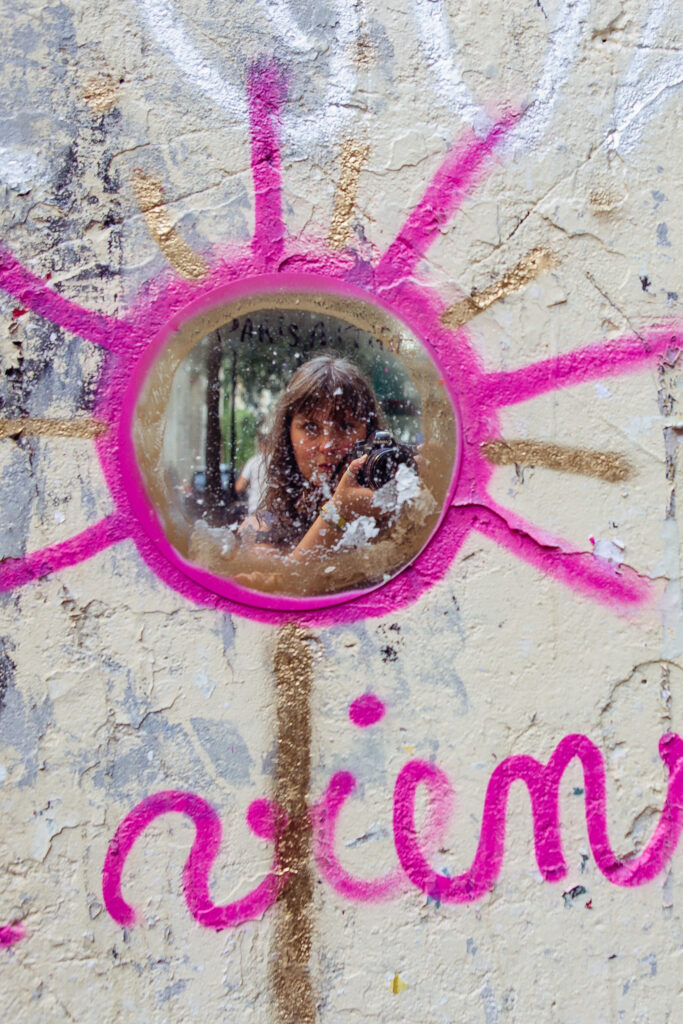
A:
x: 114, y: 687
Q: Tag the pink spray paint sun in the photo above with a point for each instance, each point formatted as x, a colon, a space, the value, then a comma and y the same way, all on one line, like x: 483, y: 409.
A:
x: 274, y: 260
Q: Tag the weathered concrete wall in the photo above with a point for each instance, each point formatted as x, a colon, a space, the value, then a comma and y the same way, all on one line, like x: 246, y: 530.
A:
x: 138, y: 161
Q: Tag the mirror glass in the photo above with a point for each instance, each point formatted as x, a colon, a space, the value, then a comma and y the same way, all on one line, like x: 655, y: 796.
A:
x: 296, y: 444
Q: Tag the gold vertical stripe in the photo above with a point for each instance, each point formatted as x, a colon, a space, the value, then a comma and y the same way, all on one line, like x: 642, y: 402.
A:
x: 290, y: 963
x: 79, y: 427
x: 534, y: 263
x: 150, y: 197
x: 353, y: 156
x: 604, y: 465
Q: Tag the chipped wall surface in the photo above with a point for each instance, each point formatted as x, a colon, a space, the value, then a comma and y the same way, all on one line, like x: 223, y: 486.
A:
x: 457, y: 797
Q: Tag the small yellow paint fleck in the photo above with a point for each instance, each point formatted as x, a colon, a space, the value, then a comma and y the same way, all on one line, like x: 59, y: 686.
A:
x: 409, y: 749
x: 398, y: 985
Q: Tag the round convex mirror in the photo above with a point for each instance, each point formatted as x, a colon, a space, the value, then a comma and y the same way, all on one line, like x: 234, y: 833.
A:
x: 294, y: 444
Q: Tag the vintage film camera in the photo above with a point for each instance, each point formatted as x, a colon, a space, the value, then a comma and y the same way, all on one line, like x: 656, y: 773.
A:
x: 384, y: 456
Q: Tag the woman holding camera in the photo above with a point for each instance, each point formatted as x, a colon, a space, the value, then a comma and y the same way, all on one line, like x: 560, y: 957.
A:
x: 311, y: 495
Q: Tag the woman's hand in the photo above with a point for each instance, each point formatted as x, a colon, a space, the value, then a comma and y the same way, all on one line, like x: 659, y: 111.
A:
x: 351, y: 499
x: 266, y: 581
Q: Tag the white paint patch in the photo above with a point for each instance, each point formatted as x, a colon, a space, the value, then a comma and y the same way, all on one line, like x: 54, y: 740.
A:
x: 568, y: 27
x: 358, y: 533
x: 20, y: 169
x: 205, y: 685
x: 404, y: 488
x: 341, y: 83
x: 564, y: 39
x: 611, y: 551
x: 285, y: 25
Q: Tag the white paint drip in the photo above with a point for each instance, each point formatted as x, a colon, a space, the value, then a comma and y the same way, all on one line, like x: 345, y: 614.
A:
x: 434, y: 33
x: 563, y: 41
x: 172, y: 37
x: 638, y: 97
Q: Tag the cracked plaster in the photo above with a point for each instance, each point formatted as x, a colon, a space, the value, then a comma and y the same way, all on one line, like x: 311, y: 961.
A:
x: 112, y: 686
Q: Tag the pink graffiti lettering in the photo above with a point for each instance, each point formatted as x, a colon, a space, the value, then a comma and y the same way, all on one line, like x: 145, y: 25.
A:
x: 325, y: 816
x: 413, y: 846
x: 264, y: 820
x: 542, y: 782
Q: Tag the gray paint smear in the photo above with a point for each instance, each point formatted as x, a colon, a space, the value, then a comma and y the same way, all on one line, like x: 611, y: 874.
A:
x: 17, y: 493
x: 20, y: 728
x: 226, y: 748
x: 136, y: 760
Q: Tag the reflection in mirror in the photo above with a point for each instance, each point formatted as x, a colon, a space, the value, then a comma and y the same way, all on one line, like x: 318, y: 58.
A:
x: 296, y: 444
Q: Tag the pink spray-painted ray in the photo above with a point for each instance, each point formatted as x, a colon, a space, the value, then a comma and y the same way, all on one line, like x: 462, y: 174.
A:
x: 606, y: 359
x: 15, y: 572
x: 445, y: 193
x: 543, y: 783
x: 266, y: 95
x: 105, y: 331
x: 581, y: 570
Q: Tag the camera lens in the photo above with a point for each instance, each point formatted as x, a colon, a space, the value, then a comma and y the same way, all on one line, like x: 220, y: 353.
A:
x: 383, y: 463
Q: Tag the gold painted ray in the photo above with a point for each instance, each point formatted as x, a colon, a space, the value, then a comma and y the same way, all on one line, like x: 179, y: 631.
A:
x: 534, y: 263
x: 80, y: 428
x: 353, y: 156
x: 150, y: 196
x: 608, y: 466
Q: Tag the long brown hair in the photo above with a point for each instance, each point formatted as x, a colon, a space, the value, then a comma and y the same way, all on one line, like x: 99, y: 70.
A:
x: 290, y: 505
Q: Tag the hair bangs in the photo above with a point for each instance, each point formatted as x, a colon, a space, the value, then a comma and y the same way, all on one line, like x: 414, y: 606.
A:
x: 338, y: 392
